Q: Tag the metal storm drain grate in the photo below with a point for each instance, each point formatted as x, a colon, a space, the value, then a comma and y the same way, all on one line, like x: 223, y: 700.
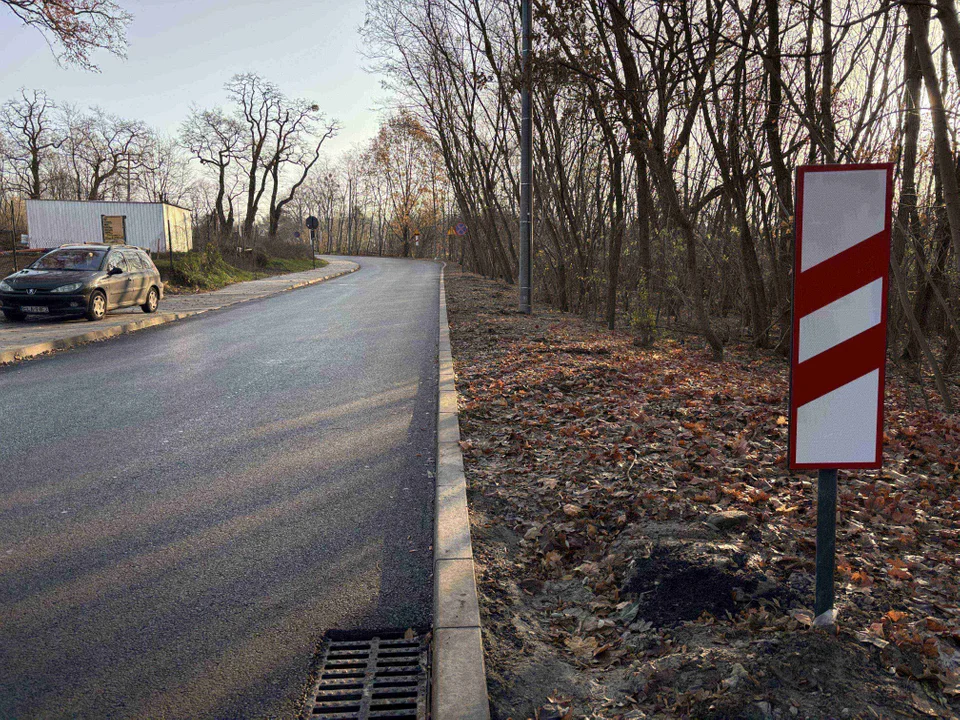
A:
x: 381, y: 676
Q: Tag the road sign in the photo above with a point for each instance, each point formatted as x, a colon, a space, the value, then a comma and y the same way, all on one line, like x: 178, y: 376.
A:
x: 461, y: 228
x: 839, y: 324
x: 451, y: 232
x: 312, y: 223
x: 839, y: 315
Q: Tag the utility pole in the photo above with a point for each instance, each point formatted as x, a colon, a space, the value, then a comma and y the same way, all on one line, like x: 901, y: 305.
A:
x: 526, y: 220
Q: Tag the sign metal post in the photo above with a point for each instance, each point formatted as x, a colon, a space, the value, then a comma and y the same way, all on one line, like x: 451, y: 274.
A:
x: 312, y: 224
x: 826, y: 540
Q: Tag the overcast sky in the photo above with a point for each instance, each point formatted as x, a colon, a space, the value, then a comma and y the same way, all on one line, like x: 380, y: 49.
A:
x: 183, y: 51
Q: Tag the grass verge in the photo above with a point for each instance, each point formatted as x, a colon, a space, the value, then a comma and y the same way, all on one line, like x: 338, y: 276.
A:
x: 208, y: 270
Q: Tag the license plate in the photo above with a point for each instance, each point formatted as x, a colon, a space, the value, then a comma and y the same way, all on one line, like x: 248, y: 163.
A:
x: 34, y: 309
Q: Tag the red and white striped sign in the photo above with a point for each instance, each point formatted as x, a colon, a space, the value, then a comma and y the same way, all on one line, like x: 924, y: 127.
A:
x: 840, y: 315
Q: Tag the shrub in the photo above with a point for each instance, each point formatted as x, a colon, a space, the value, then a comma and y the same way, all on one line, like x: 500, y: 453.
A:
x: 206, y: 270
x: 283, y: 249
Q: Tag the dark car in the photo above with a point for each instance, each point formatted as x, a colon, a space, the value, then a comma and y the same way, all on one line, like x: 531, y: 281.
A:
x: 83, y: 280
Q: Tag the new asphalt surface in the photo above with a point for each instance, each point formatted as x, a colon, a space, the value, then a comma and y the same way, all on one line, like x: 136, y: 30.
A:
x: 185, y: 511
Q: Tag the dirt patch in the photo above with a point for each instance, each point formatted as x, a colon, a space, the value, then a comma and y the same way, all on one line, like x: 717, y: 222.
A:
x: 593, y: 466
x: 671, y: 589
x: 805, y: 674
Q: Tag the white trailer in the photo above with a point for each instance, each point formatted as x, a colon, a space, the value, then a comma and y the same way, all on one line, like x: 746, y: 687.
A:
x: 157, y: 227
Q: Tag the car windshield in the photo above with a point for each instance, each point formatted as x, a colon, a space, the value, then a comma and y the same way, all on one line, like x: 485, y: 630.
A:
x: 71, y: 259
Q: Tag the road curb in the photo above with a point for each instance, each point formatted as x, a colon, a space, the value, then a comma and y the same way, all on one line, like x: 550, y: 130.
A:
x: 29, y: 351
x: 459, y: 679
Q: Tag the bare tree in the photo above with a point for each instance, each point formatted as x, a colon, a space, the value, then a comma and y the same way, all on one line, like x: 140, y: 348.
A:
x: 32, y: 134
x: 165, y: 171
x: 101, y: 148
x: 258, y: 102
x: 75, y: 29
x: 918, y: 14
x: 295, y: 146
x: 215, y: 139
x: 664, y: 137
x: 279, y: 136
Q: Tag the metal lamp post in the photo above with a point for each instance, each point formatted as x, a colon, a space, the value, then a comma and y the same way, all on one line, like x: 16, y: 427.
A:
x: 526, y: 175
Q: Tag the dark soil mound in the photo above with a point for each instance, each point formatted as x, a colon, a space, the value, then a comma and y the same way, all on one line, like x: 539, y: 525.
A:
x: 672, y: 589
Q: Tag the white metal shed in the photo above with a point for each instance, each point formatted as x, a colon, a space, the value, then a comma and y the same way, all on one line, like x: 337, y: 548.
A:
x: 153, y: 226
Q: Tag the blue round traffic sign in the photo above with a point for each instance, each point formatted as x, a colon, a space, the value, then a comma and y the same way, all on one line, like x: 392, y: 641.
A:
x: 461, y: 228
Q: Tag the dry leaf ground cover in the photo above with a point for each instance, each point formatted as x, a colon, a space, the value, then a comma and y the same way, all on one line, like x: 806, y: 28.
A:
x: 593, y: 467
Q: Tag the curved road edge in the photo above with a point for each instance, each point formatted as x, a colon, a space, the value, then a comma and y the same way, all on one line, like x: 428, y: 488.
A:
x: 459, y: 678
x: 26, y: 352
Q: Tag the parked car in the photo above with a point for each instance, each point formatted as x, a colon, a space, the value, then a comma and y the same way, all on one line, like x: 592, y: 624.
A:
x: 83, y: 280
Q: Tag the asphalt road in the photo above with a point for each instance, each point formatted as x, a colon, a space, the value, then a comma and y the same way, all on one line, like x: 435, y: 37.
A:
x: 184, y: 511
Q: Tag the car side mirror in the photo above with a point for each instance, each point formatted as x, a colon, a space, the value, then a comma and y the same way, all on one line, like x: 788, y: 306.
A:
x: 114, y: 271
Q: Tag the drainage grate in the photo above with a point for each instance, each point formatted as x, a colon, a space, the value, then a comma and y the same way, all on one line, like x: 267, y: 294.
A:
x: 384, y: 676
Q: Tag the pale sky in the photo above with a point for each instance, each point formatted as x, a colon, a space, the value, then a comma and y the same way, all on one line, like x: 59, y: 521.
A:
x: 183, y: 51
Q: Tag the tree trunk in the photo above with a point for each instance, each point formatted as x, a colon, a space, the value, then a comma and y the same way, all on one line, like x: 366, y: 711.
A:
x: 918, y: 15
x: 218, y: 205
x: 644, y: 213
x: 947, y: 12
x: 250, y: 218
x: 616, y: 235
x: 664, y: 177
x: 907, y: 209
x: 783, y: 182
x: 759, y: 312
x: 36, y: 189
x: 921, y: 340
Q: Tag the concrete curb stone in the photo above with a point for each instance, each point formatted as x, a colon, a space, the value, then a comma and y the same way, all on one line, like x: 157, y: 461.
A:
x: 448, y: 427
x: 452, y: 540
x: 460, y: 673
x: 459, y: 678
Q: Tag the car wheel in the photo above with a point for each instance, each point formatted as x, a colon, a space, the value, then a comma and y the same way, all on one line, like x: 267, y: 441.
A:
x: 97, y: 307
x: 13, y: 315
x: 153, y: 300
